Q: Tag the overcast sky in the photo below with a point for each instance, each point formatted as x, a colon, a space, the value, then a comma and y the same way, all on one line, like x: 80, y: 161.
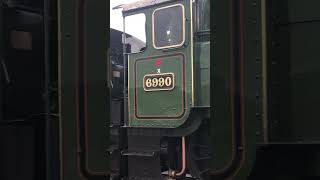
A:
x: 116, y: 21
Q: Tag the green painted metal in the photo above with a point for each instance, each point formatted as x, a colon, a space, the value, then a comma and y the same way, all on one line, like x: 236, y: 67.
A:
x: 293, y: 71
x: 160, y: 103
x: 68, y: 142
x: 250, y: 85
x: 169, y: 103
x: 245, y: 76
x: 233, y: 91
x: 202, y: 66
x: 221, y: 122
x: 96, y: 70
x: 82, y: 82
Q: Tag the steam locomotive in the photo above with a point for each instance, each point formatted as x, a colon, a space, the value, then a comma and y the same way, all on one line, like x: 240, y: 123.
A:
x: 191, y: 89
x: 166, y: 94
x: 233, y: 115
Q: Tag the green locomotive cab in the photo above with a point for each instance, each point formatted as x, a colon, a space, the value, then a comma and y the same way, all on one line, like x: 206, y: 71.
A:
x: 167, y: 85
x: 162, y: 80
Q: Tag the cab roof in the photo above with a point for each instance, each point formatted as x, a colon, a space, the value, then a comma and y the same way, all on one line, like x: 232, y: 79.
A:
x: 142, y: 4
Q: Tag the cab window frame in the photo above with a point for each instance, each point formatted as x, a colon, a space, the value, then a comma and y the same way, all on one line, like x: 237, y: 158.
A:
x: 183, y: 27
x: 124, y: 36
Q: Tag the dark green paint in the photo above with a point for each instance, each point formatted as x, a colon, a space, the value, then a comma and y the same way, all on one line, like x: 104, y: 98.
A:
x: 68, y: 144
x: 97, y: 113
x: 294, y: 71
x: 161, y: 97
x: 233, y: 87
x: 221, y: 114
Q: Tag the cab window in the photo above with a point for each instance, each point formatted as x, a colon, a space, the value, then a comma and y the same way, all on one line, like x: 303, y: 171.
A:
x: 169, y: 26
x: 135, y: 27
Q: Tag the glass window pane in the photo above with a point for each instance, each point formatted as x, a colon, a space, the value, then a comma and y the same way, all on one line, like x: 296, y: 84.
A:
x: 168, y: 27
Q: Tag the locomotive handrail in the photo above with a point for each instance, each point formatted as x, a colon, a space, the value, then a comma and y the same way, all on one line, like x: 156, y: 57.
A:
x: 13, y: 122
x: 139, y: 153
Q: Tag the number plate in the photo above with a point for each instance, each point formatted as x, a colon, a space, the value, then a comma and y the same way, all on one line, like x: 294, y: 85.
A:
x: 158, y: 82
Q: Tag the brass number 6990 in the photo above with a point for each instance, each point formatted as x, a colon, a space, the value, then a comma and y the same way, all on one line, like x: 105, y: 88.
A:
x: 158, y: 82
x: 155, y: 82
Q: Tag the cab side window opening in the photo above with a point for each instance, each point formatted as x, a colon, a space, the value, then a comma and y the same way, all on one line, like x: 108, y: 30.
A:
x: 168, y: 27
x: 135, y: 27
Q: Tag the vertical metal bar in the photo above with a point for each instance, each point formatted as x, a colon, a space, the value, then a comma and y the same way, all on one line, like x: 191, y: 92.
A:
x: 192, y: 49
x: 264, y: 69
x: 1, y: 56
x: 46, y: 23
x: 1, y: 32
x: 59, y: 51
x: 125, y: 101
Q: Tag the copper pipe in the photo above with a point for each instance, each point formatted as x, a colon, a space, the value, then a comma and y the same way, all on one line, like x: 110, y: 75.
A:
x: 183, y: 168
